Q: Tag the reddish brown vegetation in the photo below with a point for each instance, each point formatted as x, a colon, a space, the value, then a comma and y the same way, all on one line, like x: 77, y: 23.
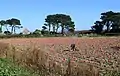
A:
x: 93, y: 54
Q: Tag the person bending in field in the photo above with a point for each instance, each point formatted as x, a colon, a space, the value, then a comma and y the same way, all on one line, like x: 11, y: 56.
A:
x: 72, y: 47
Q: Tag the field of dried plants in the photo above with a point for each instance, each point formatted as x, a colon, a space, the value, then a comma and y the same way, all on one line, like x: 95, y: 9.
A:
x: 53, y: 57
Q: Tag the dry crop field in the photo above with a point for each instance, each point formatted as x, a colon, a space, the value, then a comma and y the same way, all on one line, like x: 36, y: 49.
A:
x: 92, y: 55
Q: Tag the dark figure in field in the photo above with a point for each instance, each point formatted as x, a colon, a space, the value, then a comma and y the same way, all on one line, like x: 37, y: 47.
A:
x: 72, y: 47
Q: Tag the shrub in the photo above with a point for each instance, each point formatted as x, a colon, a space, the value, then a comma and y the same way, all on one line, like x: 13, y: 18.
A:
x: 7, y: 32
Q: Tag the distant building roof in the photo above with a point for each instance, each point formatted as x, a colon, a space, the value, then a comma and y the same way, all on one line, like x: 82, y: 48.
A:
x: 26, y: 31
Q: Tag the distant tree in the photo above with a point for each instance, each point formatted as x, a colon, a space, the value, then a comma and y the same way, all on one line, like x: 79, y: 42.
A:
x: 106, y: 19
x: 2, y: 23
x: 51, y: 21
x: 65, y: 21
x: 48, y: 22
x: 20, y: 33
x: 14, y: 23
x: 116, y: 23
x: 98, y: 27
x: 44, y: 31
x: 7, y: 32
x: 71, y: 27
x: 110, y: 19
x: 44, y: 27
x: 37, y: 32
x: 59, y: 20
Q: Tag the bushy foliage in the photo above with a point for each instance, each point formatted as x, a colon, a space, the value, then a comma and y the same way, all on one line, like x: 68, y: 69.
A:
x: 7, y: 32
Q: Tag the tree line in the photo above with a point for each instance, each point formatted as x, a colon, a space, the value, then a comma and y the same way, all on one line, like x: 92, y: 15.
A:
x: 51, y: 25
x: 57, y: 21
x: 13, y: 23
x: 109, y: 23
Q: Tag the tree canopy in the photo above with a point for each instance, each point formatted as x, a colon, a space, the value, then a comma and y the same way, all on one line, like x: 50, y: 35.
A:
x: 2, y: 23
x: 109, y: 23
x: 110, y: 20
x: 59, y: 20
x: 13, y: 23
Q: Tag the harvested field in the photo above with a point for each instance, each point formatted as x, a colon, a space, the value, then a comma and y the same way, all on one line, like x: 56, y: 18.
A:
x: 101, y: 53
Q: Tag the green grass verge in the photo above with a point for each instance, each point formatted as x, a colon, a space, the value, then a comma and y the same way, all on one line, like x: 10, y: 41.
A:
x: 7, y: 68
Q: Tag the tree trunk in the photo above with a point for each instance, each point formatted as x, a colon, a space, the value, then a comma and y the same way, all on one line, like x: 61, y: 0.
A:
x: 49, y: 27
x: 54, y: 29
x: 57, y: 28
x: 1, y: 29
x: 107, y: 28
x: 6, y: 27
x: 108, y: 25
x: 62, y: 31
x: 12, y: 29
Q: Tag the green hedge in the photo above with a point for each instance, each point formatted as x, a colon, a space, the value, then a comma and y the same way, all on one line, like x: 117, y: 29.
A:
x: 57, y: 35
x: 28, y: 36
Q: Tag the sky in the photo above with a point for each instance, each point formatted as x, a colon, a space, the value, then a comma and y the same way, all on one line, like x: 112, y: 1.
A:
x: 32, y: 13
